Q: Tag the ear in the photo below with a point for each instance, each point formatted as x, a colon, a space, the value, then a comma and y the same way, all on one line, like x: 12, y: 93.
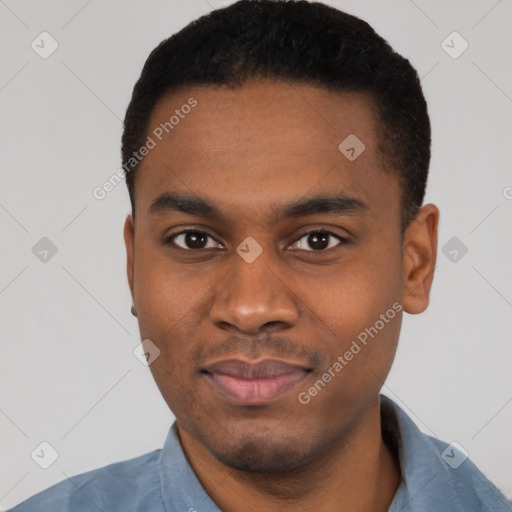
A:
x: 419, y: 259
x: 129, y: 235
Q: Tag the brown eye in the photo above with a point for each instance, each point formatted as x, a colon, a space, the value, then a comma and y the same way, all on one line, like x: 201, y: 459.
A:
x: 193, y: 239
x: 319, y: 241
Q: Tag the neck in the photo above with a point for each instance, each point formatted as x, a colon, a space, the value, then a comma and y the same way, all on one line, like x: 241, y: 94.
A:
x: 359, y: 473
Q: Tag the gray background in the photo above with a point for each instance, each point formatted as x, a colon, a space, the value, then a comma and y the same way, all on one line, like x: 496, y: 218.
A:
x: 68, y: 375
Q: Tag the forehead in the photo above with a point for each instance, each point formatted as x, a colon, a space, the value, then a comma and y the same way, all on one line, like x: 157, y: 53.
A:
x: 263, y: 144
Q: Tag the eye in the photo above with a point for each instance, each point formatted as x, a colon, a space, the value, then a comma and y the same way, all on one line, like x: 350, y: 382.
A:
x: 192, y: 239
x: 319, y: 241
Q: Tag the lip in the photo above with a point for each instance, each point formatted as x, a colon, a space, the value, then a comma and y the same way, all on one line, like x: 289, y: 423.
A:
x: 254, y: 383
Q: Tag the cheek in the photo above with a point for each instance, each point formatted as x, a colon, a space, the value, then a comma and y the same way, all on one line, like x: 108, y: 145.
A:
x: 167, y: 299
x: 165, y: 295
x: 362, y: 326
x: 354, y: 296
x: 360, y: 314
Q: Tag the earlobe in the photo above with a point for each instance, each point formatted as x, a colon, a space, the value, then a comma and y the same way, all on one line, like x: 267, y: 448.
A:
x: 129, y: 236
x: 419, y: 259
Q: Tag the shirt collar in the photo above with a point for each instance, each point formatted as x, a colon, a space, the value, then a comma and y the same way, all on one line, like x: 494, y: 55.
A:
x: 181, y: 490
x: 424, y: 474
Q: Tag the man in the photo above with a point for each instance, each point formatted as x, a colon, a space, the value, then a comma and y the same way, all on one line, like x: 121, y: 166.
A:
x: 276, y: 155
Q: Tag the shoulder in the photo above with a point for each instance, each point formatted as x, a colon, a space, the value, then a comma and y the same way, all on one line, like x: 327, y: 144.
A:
x: 436, y: 475
x: 474, y: 491
x: 127, y: 485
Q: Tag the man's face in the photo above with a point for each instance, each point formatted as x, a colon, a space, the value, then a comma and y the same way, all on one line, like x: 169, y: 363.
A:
x: 251, y: 152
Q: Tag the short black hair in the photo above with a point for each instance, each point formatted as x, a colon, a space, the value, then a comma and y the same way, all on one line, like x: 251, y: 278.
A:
x: 294, y: 41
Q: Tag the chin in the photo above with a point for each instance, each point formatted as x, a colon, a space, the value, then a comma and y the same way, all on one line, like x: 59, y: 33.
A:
x: 262, y: 453
x: 252, y: 459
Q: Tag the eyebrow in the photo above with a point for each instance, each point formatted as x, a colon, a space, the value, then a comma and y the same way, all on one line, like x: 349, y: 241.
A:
x: 191, y: 204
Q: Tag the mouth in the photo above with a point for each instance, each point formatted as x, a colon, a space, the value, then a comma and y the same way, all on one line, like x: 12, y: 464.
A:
x: 254, y: 383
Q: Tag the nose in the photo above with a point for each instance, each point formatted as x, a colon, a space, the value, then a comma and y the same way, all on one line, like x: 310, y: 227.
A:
x: 253, y: 296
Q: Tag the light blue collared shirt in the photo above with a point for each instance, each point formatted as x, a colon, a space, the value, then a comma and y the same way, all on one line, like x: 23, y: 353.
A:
x: 436, y: 477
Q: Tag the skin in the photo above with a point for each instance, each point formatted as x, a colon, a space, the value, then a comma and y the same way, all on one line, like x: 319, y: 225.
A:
x: 251, y: 151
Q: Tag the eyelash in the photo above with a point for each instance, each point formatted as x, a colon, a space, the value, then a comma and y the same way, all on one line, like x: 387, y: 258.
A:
x: 343, y: 241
